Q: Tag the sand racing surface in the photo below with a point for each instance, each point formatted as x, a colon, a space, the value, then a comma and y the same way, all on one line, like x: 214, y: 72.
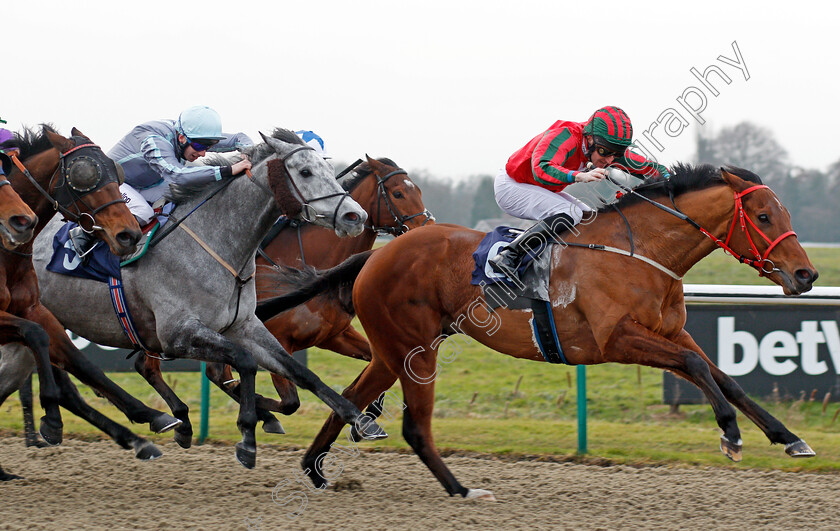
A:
x: 96, y: 485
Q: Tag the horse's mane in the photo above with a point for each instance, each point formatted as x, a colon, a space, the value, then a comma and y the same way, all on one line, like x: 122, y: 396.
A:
x: 180, y: 193
x: 685, y: 178
x: 260, y: 152
x: 361, y: 171
x: 31, y: 142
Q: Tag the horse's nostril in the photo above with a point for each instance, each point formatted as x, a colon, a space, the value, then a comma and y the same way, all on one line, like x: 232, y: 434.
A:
x: 21, y: 223
x: 128, y: 237
x: 351, y: 217
x: 805, y: 276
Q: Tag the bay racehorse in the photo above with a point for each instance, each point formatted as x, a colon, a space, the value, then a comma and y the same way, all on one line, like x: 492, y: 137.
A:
x: 17, y: 227
x: 72, y: 176
x: 191, y: 295
x: 393, y: 204
x: 608, y: 307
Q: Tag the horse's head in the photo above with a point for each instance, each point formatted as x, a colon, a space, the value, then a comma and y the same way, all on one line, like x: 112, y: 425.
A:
x: 85, y: 187
x: 394, y: 203
x: 305, y: 188
x: 761, y: 232
x: 17, y: 221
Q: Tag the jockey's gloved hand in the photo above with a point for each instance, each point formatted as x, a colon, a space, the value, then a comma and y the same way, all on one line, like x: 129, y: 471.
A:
x: 593, y: 175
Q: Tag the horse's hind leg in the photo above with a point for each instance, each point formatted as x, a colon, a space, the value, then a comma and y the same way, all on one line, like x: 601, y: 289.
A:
x: 770, y: 425
x: 374, y: 380
x: 220, y: 374
x: 630, y: 342
x: 65, y: 355
x: 149, y: 369
x: 73, y: 402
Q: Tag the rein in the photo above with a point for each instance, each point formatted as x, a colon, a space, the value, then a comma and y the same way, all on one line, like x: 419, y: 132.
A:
x: 759, y: 262
x: 61, y: 170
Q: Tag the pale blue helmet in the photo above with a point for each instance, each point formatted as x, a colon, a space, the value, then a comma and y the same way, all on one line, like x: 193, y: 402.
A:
x: 200, y: 122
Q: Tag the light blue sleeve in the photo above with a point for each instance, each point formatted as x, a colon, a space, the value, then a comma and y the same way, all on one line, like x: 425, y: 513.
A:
x: 160, y: 155
x: 232, y: 142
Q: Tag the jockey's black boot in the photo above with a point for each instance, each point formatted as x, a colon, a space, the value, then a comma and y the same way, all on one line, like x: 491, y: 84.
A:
x: 510, y: 257
x: 83, y: 242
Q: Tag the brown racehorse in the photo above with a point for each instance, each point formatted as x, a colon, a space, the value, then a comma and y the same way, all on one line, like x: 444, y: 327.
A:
x: 394, y: 205
x: 608, y: 307
x: 17, y: 227
x: 73, y: 176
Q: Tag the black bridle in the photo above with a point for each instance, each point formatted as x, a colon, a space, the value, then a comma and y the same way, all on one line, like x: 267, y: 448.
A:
x: 66, y: 190
x: 384, y: 196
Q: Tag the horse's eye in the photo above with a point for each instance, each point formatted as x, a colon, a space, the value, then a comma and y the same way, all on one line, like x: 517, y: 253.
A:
x: 306, y: 173
x: 764, y: 218
x: 398, y: 195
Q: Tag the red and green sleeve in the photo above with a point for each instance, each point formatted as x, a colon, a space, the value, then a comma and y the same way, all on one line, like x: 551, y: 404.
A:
x: 636, y: 164
x: 553, y: 155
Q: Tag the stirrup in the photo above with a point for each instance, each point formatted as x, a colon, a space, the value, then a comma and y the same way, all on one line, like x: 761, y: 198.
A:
x: 82, y: 242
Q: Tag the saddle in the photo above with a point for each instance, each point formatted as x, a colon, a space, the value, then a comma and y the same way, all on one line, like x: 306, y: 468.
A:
x: 532, y: 294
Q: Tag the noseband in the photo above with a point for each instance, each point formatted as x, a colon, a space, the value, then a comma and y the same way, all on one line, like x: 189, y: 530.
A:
x: 66, y: 193
x: 384, y: 196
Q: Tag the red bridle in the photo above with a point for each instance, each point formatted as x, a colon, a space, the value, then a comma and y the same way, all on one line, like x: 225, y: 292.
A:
x: 760, y: 261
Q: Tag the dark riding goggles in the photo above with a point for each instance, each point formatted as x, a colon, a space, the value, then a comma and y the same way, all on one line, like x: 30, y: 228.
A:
x: 604, y: 152
x: 202, y: 144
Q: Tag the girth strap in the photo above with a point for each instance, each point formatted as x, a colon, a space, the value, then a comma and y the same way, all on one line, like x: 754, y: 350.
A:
x: 214, y: 254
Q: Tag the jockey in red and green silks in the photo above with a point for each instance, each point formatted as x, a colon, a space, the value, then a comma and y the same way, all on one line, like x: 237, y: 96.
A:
x: 532, y: 182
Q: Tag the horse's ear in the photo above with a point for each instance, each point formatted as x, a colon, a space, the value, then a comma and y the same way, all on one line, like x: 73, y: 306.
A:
x: 372, y: 162
x: 76, y: 132
x: 736, y: 183
x: 265, y: 138
x: 59, y: 142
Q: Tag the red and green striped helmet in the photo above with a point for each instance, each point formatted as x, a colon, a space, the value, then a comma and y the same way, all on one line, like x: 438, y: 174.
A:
x: 611, y: 128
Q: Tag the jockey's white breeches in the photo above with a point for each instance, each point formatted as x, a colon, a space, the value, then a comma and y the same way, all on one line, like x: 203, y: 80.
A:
x: 528, y: 201
x: 137, y: 204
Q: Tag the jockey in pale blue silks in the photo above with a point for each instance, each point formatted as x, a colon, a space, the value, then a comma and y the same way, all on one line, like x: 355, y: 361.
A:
x: 154, y: 154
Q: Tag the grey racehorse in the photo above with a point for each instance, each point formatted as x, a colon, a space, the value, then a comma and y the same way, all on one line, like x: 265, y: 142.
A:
x: 192, y: 295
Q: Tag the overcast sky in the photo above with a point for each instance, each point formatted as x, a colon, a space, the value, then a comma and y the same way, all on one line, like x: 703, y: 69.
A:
x: 451, y: 87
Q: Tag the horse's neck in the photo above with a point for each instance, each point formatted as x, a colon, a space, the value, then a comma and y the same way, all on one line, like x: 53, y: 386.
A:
x: 322, y: 248
x: 234, y: 221
x: 666, y: 239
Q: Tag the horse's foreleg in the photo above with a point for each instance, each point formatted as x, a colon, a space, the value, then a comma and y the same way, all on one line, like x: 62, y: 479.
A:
x: 65, y: 355
x: 374, y: 380
x: 149, y: 369
x: 194, y: 340
x: 271, y: 356
x: 29, y: 433
x: 221, y: 375
x: 14, y: 329
x: 73, y: 402
x: 770, y: 425
x: 630, y: 342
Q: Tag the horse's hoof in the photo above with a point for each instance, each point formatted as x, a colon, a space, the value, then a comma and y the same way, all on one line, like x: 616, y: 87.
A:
x: 368, y: 429
x: 480, y: 494
x: 184, y: 439
x: 732, y: 450
x: 799, y: 449
x: 146, y: 451
x: 247, y: 457
x: 273, y: 426
x: 163, y: 423
x: 51, y: 433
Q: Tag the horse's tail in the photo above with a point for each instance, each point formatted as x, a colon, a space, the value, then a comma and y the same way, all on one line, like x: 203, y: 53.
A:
x: 316, y: 283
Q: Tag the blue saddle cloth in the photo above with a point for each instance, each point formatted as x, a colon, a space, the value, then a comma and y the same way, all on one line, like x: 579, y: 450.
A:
x: 489, y: 247
x: 100, y: 264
